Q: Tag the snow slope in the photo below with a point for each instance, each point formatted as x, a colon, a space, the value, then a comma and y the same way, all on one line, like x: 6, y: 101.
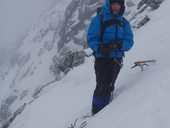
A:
x: 141, y: 99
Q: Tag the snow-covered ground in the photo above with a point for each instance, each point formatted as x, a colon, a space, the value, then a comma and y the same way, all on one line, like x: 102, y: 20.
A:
x: 141, y: 99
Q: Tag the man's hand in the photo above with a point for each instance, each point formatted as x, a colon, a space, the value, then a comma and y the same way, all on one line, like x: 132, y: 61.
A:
x: 116, y: 45
x: 104, y: 50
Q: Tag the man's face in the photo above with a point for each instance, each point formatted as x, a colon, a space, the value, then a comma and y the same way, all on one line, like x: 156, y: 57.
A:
x: 115, y: 7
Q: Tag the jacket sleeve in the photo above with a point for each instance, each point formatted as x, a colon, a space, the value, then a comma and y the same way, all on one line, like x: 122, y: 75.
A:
x: 128, y: 38
x: 94, y: 32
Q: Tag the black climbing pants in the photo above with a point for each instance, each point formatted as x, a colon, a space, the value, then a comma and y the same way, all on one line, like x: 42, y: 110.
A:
x: 106, y: 70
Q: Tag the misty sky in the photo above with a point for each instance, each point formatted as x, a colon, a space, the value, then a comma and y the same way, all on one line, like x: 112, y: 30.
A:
x: 17, y: 15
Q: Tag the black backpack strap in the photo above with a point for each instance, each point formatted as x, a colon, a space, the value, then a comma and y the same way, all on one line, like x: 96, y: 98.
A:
x: 101, y: 30
x: 124, y: 22
x: 107, y: 23
x: 113, y: 21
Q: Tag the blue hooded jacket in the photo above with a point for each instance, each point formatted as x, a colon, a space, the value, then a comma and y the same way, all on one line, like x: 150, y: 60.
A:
x: 125, y: 35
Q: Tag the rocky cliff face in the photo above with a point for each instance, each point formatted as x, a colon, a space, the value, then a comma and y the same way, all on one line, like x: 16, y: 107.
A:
x: 154, y: 4
x: 72, y: 35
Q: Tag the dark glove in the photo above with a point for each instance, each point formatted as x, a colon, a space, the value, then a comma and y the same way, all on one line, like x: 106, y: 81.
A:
x: 117, y: 45
x: 104, y: 50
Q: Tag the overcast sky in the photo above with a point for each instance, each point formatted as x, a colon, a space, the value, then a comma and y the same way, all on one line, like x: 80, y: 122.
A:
x: 17, y: 15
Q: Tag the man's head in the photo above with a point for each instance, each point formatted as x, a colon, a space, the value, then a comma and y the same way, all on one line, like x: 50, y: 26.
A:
x: 117, y: 6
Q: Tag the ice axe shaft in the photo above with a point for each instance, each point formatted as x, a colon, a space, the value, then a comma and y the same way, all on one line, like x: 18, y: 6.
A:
x: 141, y: 64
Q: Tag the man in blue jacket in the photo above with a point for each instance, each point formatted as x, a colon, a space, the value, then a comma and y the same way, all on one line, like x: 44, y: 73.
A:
x: 109, y: 36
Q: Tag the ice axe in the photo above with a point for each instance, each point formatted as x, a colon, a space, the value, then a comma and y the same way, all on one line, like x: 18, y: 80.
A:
x: 141, y: 64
